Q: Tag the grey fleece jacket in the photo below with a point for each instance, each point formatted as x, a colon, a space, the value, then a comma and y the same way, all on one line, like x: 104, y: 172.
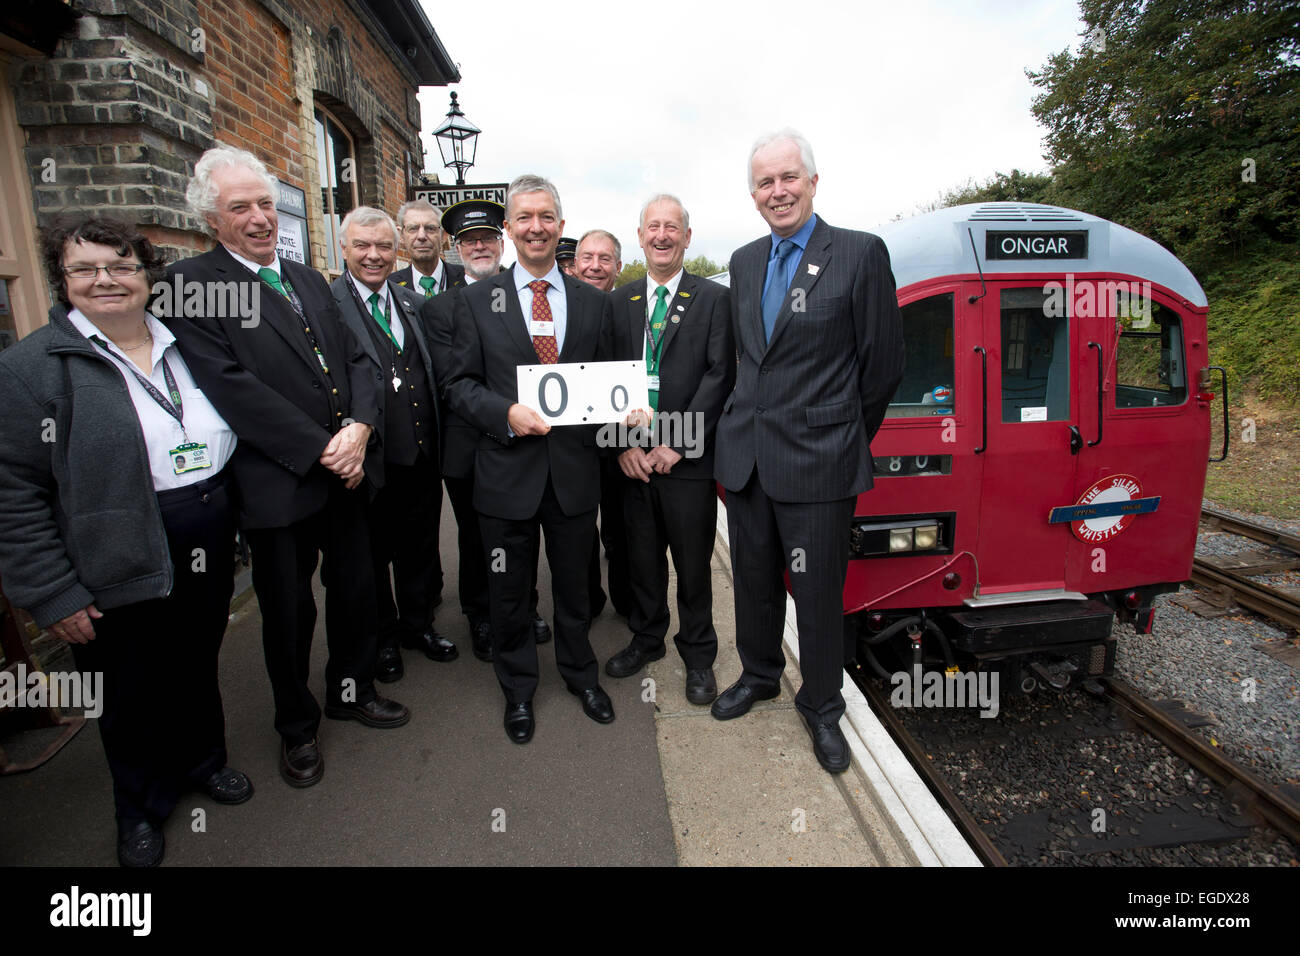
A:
x: 79, y: 521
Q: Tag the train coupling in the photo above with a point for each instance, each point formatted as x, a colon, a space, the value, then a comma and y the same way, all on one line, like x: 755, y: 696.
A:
x: 1056, y: 675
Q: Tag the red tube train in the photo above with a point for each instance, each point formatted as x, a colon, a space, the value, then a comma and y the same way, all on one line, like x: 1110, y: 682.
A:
x: 1041, y: 467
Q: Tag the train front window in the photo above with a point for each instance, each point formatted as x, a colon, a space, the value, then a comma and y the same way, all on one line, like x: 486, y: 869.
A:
x: 1149, y: 366
x: 927, y: 386
x: 1035, y: 356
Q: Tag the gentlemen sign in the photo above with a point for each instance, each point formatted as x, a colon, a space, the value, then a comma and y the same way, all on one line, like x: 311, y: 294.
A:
x: 444, y: 196
x: 583, y: 393
x: 1036, y: 245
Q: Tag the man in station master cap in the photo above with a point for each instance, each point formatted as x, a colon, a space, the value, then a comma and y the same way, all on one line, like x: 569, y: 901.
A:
x: 566, y: 256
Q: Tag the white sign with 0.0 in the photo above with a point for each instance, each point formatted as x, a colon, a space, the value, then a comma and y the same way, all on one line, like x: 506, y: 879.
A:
x: 583, y: 393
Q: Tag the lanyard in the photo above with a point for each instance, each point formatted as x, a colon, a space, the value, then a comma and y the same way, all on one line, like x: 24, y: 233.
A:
x: 656, y: 348
x: 175, y: 408
x: 394, y: 350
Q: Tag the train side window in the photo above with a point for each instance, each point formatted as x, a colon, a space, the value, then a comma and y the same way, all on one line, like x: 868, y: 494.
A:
x: 927, y: 386
x: 1035, y: 357
x: 1149, y: 366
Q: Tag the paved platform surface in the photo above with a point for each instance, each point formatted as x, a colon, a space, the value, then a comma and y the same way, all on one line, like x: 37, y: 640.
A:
x: 664, y: 784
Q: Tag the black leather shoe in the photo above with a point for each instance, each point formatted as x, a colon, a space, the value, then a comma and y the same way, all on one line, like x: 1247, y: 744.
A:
x: 142, y: 845
x: 631, y: 659
x: 481, y: 638
x: 595, y: 704
x: 303, y: 765
x: 519, y: 722
x: 388, y: 665
x: 435, y: 646
x: 541, y: 632
x: 831, y: 748
x: 736, y: 700
x: 380, y: 712
x: 701, y: 688
x: 228, y: 786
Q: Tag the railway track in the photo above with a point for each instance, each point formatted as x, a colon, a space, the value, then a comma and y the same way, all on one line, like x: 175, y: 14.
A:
x: 1242, y: 808
x: 1279, y: 605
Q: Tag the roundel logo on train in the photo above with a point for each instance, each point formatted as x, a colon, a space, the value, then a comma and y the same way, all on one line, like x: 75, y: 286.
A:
x: 1105, y: 509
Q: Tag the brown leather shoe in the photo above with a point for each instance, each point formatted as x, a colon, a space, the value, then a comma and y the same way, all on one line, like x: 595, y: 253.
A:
x: 303, y: 765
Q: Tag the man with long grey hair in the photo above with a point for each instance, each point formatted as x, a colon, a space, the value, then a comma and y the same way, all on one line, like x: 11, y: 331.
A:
x: 294, y: 384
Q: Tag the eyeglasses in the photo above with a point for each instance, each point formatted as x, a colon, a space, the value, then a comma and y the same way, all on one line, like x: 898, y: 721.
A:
x: 431, y: 230
x: 119, y: 270
x: 478, y: 241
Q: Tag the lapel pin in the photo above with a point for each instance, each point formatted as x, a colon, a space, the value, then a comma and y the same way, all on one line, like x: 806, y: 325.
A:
x: 684, y: 295
x: 813, y: 270
x: 680, y: 308
x: 636, y: 298
x: 676, y: 319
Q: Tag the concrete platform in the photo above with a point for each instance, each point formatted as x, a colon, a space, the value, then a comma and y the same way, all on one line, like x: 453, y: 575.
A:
x: 663, y: 784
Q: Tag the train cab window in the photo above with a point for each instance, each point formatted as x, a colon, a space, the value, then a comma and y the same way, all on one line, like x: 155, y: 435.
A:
x: 927, y: 386
x: 1035, y: 357
x: 1149, y: 365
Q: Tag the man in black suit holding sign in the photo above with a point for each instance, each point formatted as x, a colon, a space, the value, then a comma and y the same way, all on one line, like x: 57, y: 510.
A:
x: 294, y: 384
x: 527, y: 474
x: 819, y: 337
x: 680, y: 325
x: 404, y: 516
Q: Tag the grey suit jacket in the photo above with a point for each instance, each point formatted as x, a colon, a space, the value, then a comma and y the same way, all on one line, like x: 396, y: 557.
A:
x: 355, y: 319
x: 808, y: 402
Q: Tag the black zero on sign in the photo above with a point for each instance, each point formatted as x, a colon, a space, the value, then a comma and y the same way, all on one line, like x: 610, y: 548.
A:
x: 564, y: 395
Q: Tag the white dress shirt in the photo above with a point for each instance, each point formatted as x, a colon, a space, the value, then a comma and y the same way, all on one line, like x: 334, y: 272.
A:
x: 162, y: 432
x: 438, y: 275
x: 651, y: 285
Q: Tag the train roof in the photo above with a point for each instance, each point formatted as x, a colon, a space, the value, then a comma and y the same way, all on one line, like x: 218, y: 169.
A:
x: 937, y: 244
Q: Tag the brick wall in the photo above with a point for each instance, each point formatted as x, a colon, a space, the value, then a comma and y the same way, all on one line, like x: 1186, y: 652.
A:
x: 116, y: 118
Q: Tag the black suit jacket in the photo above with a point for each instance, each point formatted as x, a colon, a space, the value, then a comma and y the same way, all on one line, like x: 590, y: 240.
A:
x: 459, y: 437
x: 697, y: 367
x: 490, y: 341
x: 451, y: 275
x: 411, y: 304
x: 808, y: 402
x: 266, y: 382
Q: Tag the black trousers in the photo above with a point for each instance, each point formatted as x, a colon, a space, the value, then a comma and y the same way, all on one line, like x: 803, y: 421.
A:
x: 679, y: 516
x: 511, y: 548
x: 284, y: 560
x: 613, y: 536
x: 811, y: 542
x: 404, y: 521
x: 473, y: 589
x: 162, y: 722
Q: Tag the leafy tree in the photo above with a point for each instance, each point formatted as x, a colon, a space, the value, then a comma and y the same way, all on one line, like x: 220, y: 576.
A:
x: 635, y: 270
x: 1001, y: 187
x: 1178, y: 118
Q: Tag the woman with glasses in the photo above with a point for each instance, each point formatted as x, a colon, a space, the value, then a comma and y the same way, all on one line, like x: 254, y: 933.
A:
x: 117, y: 522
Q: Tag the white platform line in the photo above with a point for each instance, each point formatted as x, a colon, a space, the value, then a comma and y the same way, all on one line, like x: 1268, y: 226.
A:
x: 899, y: 790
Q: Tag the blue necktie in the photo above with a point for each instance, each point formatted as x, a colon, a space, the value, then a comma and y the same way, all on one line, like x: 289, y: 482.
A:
x: 776, y: 288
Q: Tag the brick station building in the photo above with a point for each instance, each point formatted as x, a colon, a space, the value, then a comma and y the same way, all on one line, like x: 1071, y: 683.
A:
x: 107, y: 104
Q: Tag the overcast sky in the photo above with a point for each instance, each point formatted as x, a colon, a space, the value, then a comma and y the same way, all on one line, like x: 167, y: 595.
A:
x: 901, y: 101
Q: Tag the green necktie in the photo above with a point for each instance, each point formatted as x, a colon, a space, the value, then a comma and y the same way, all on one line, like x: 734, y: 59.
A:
x: 272, y: 278
x: 426, y: 283
x: 657, y: 334
x: 379, y: 317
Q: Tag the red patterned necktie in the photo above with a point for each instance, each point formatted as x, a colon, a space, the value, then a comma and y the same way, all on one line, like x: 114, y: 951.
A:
x: 543, y: 345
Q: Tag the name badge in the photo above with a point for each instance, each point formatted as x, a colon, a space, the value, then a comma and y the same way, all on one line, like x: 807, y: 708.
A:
x: 190, y: 456
x: 544, y: 329
x: 652, y: 382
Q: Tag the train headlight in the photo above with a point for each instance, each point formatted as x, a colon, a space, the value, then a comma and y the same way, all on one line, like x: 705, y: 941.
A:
x: 900, y: 539
x: 927, y: 536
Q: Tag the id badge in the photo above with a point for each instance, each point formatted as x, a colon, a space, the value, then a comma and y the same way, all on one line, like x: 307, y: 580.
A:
x: 190, y: 456
x: 652, y: 382
x: 544, y: 329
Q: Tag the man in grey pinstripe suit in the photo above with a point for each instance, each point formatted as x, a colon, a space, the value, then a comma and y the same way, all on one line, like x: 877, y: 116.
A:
x: 820, y: 351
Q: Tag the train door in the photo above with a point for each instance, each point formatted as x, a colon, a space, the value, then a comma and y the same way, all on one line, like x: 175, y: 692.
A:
x: 1031, y: 408
x: 1144, y: 433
